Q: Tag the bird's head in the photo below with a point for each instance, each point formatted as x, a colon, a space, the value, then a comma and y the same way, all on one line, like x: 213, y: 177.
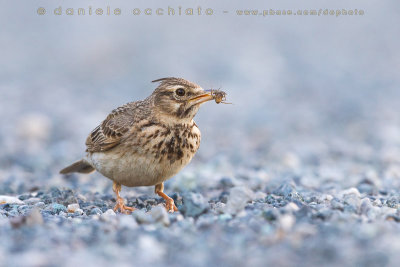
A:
x: 179, y: 98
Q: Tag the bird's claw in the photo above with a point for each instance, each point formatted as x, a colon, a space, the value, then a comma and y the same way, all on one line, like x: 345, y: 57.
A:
x: 170, y: 205
x: 122, y: 207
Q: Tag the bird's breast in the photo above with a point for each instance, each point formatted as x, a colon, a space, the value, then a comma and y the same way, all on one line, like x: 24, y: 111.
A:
x: 176, y: 144
x: 151, y: 154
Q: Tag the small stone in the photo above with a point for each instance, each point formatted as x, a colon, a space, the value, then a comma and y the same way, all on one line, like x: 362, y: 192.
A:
x: 78, y: 212
x: 365, y: 206
x: 73, y: 207
x: 287, y: 221
x: 377, y: 202
x: 127, y: 222
x: 205, y: 221
x: 40, y: 205
x: 226, y: 182
x: 373, y: 213
x: 193, y: 204
x: 96, y: 211
x: 350, y: 191
x: 336, y: 204
x: 366, y: 188
x: 175, y: 217
x: 288, y: 191
x: 160, y: 214
x: 238, y: 198
x: 323, y: 214
x: 109, y: 215
x: 225, y: 217
x: 271, y: 214
x: 57, y: 208
x: 109, y: 212
x: 260, y: 195
x: 329, y: 197
x: 219, y: 207
x: 224, y: 197
x: 32, y: 200
x: 292, y: 207
x: 10, y: 200
x: 142, y: 217
x: 392, y: 202
x: 352, y: 202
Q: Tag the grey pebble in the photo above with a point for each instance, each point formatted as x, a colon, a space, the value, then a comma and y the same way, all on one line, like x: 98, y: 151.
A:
x: 193, y: 204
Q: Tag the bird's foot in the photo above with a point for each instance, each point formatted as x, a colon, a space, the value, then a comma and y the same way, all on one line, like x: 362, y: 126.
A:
x: 170, y: 205
x: 120, y: 205
x: 169, y: 202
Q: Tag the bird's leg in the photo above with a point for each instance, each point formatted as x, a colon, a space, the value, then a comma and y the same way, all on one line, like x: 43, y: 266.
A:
x: 169, y: 202
x: 120, y: 205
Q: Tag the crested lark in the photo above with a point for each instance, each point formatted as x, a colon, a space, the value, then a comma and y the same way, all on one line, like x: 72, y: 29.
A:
x: 146, y: 142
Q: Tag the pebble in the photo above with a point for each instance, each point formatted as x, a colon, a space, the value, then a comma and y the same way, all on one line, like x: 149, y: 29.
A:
x: 142, y: 217
x: 127, y: 222
x: 288, y: 191
x: 73, y: 207
x: 32, y: 201
x: 193, y: 204
x: 109, y: 213
x: 350, y: 191
x: 365, y: 206
x: 78, y: 212
x: 96, y: 211
x: 238, y: 198
x: 57, y: 208
x: 160, y: 214
x: 10, y: 200
x: 287, y: 221
x: 271, y: 214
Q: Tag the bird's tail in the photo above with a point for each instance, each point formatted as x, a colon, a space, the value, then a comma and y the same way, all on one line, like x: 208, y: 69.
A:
x: 80, y: 166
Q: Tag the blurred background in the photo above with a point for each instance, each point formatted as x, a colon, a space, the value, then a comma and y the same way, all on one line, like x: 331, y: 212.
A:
x: 315, y: 98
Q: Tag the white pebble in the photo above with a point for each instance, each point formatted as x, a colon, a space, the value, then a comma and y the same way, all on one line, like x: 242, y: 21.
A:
x: 10, y: 200
x: 329, y: 197
x: 350, y: 191
x: 287, y: 221
x: 108, y: 216
x: 238, y: 198
x: 73, y: 207
x: 109, y: 212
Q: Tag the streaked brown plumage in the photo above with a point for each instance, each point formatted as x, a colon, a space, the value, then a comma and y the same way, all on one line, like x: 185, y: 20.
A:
x: 146, y: 142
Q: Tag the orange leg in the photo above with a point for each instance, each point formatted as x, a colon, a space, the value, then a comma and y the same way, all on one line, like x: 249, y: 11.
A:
x: 120, y: 205
x: 169, y: 202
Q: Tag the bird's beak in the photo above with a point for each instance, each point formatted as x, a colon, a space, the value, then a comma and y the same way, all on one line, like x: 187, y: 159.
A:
x: 201, y: 98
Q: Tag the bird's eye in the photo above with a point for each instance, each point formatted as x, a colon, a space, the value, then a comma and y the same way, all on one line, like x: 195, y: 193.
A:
x: 180, y: 92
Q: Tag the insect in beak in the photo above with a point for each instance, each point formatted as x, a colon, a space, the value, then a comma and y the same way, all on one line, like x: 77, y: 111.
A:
x: 219, y: 96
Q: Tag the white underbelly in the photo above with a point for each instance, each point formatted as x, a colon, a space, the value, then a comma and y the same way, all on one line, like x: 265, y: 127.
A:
x: 135, y: 170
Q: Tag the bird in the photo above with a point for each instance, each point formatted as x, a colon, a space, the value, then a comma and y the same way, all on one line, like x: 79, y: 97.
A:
x: 146, y: 142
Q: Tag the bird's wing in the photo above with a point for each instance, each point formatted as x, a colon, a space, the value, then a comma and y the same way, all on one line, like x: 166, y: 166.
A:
x: 109, y: 133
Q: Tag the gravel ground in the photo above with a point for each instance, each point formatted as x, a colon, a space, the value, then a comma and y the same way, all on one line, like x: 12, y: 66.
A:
x: 326, y: 201
x: 302, y: 170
